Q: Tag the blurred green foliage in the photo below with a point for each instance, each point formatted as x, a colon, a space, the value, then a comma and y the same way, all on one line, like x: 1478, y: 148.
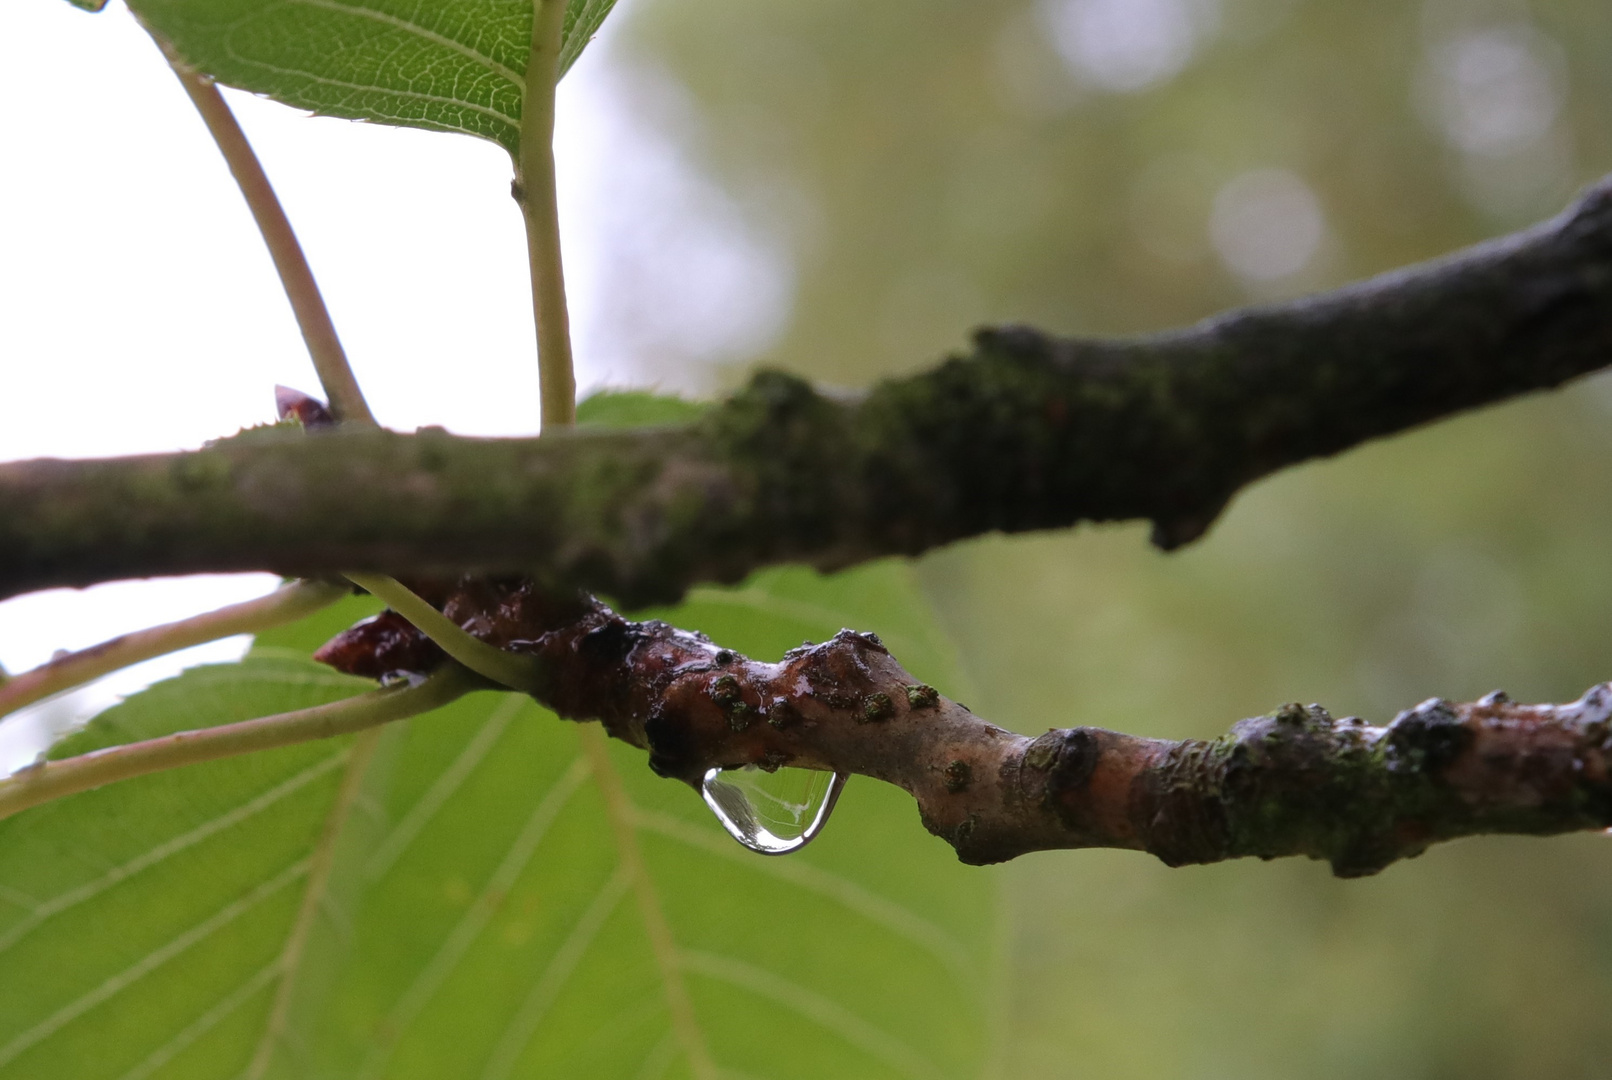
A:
x: 935, y: 164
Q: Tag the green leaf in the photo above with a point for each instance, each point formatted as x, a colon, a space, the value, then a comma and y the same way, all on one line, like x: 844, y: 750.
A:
x: 636, y: 408
x: 446, y: 65
x: 132, y: 905
x: 478, y: 918
x: 582, y: 21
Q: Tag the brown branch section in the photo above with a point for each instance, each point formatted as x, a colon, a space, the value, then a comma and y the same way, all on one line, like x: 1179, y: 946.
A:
x: 1295, y: 782
x: 1028, y: 432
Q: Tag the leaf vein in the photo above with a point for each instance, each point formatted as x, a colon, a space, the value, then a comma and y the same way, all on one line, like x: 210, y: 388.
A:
x: 619, y: 810
x: 827, y: 1014
x: 848, y: 894
x: 204, y: 1023
x: 442, y: 789
x: 114, y: 984
x: 524, y: 1024
x: 118, y: 874
x: 474, y: 920
x: 321, y: 862
x: 380, y: 91
x: 417, y: 30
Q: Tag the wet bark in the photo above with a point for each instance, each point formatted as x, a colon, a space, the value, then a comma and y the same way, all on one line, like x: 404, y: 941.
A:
x: 1294, y: 782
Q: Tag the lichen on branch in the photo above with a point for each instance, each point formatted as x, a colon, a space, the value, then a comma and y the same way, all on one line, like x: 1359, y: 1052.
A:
x: 1027, y: 432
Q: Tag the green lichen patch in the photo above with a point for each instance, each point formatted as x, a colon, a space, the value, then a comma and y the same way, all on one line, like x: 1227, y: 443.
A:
x: 922, y: 696
x: 875, y: 707
x: 740, y: 716
x: 781, y: 714
x: 725, y: 690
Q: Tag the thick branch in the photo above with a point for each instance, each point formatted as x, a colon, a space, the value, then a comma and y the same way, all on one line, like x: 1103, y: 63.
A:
x: 1029, y: 432
x: 1295, y: 782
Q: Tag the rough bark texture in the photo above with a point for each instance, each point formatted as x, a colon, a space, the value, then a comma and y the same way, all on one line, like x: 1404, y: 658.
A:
x: 1295, y: 782
x: 1028, y: 432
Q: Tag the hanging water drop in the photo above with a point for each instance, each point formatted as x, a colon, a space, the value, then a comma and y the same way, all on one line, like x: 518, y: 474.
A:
x: 773, y: 813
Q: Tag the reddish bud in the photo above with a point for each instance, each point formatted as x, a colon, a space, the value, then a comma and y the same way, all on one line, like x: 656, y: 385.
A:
x: 309, y: 411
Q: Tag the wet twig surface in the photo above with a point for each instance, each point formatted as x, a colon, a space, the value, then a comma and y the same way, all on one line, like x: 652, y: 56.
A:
x: 1295, y: 782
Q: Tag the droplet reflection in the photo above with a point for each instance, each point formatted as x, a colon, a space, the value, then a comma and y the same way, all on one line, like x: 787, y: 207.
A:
x: 773, y: 813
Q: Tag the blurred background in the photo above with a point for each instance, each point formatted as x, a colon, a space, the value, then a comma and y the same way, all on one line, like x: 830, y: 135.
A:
x: 845, y: 190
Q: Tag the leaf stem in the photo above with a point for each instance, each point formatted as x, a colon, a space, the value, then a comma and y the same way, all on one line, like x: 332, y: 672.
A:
x: 318, y: 331
x: 286, y: 604
x: 510, y: 669
x: 536, y: 192
x: 53, y: 779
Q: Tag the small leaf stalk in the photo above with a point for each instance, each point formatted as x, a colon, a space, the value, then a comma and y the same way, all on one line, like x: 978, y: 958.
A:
x: 330, y: 360
x: 508, y: 669
x: 538, y: 196
x: 48, y: 780
x: 313, y: 318
x: 286, y: 604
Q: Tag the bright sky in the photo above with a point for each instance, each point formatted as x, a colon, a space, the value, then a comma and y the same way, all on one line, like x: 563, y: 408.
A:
x: 139, y: 311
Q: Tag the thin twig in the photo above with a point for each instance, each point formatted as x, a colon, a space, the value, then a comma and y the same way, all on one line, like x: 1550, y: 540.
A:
x: 286, y: 604
x: 53, y: 779
x: 539, y: 200
x: 512, y: 670
x: 318, y: 331
x: 1293, y: 782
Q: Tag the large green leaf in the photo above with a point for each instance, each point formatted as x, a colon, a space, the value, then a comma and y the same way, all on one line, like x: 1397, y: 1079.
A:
x: 447, y: 65
x: 477, y: 917
x: 129, y: 912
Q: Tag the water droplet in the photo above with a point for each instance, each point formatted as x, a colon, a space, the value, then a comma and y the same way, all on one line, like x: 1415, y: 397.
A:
x: 773, y: 813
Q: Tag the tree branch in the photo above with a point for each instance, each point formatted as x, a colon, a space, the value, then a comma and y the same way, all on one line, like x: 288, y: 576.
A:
x: 1294, y: 782
x: 1030, y: 432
